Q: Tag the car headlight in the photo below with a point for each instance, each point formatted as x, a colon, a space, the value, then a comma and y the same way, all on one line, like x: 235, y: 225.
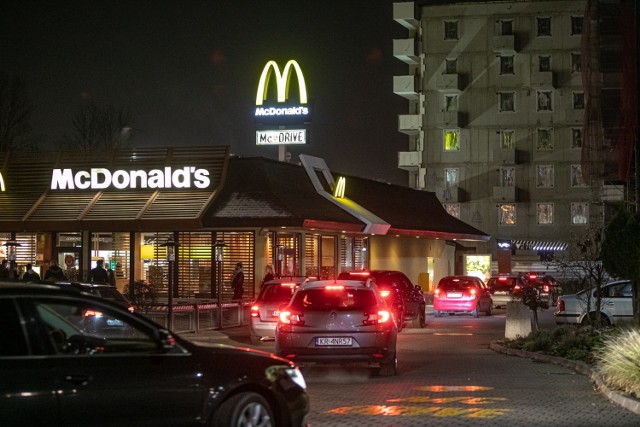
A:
x: 283, y: 374
x: 296, y: 377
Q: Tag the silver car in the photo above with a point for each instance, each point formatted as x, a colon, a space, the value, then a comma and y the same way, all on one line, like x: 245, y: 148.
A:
x: 265, y: 310
x: 339, y: 321
x: 616, y: 305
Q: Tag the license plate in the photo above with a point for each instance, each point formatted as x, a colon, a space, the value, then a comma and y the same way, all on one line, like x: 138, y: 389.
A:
x: 454, y: 295
x: 333, y: 341
x: 275, y: 313
x: 500, y: 293
x: 114, y: 322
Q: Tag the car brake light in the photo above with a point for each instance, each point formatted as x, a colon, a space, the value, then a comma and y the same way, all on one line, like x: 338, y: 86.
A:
x: 291, y: 318
x: 255, y: 311
x: 288, y: 284
x: 532, y: 276
x: 360, y: 273
x: 545, y: 288
x: 334, y: 287
x: 385, y: 293
x: 472, y: 292
x: 131, y: 309
x: 88, y: 313
x: 516, y: 288
x: 502, y: 279
x: 382, y: 316
x: 436, y: 294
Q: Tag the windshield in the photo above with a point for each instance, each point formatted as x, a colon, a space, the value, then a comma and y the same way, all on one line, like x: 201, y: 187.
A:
x: 342, y: 299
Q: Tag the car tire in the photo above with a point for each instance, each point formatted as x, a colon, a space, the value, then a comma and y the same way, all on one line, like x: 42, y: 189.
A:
x: 418, y: 322
x: 605, y: 321
x: 244, y: 409
x: 489, y: 311
x: 388, y: 369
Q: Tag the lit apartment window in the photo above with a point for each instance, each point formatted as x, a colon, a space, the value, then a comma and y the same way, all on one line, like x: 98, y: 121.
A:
x: 451, y: 30
x: 452, y: 140
x: 450, y: 66
x: 576, y: 25
x: 508, y: 177
x: 578, y: 100
x: 545, y: 139
x: 577, y: 180
x: 507, y: 214
x: 544, y: 213
x: 451, y: 103
x: 576, y: 138
x: 545, y: 100
x: 452, y: 209
x: 544, y: 63
x: 506, y: 64
x: 506, y: 27
x: 576, y: 62
x: 507, y: 101
x: 451, y: 177
x: 579, y: 213
x: 544, y: 176
x: 507, y: 139
x: 544, y: 26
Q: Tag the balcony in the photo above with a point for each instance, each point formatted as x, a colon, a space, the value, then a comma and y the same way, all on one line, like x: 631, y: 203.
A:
x: 542, y: 79
x: 504, y: 194
x: 449, y: 83
x: 504, y: 45
x: 450, y: 119
x: 410, y: 160
x: 448, y: 194
x: 405, y: 51
x: 405, y: 14
x: 406, y: 86
x: 505, y: 156
x: 410, y: 124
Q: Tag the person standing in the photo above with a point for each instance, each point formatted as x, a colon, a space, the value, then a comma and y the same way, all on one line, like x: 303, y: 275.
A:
x: 54, y: 273
x: 237, y: 282
x: 268, y: 275
x: 4, y: 269
x: 30, y: 275
x: 98, y: 274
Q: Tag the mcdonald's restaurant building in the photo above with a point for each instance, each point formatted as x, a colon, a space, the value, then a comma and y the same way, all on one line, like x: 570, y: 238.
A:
x: 305, y: 220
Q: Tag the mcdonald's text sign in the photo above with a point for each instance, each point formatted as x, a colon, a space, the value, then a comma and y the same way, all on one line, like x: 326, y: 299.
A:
x: 283, y: 109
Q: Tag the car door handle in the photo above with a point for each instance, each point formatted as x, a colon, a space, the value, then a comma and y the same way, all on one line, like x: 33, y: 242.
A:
x: 78, y: 379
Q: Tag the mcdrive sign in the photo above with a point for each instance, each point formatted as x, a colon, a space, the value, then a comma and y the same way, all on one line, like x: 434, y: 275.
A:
x: 283, y: 110
x: 101, y: 178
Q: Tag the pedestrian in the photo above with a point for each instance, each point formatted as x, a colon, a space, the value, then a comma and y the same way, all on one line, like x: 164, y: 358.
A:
x: 30, y: 275
x: 4, y: 269
x: 98, y: 274
x: 268, y: 275
x: 112, y: 276
x: 237, y: 282
x: 54, y: 273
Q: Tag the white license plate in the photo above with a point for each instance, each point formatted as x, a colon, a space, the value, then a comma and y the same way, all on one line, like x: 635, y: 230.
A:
x: 114, y: 322
x: 454, y: 295
x: 333, y: 341
x: 500, y: 293
x: 275, y: 313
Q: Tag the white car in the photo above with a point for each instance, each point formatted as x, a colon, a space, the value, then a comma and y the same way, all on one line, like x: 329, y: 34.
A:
x: 616, y: 305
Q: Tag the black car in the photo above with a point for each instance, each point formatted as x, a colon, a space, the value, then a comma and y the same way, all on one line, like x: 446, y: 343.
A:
x: 132, y: 372
x: 413, y: 302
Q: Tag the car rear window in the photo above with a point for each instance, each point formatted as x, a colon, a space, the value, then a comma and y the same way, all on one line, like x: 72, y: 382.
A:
x: 342, y: 299
x: 506, y: 282
x: 276, y: 292
x: 457, y: 284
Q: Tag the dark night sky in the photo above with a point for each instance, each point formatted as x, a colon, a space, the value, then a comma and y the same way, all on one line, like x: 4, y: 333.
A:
x: 188, y: 71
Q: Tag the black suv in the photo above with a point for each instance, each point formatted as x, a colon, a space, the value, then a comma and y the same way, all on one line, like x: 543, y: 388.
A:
x: 413, y: 302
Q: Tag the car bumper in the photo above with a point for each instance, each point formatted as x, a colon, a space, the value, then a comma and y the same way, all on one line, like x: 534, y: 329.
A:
x: 259, y: 328
x: 563, y: 317
x: 454, y: 306
x: 501, y: 300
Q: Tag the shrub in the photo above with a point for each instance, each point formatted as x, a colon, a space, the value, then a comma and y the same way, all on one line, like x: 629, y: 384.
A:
x: 618, y: 361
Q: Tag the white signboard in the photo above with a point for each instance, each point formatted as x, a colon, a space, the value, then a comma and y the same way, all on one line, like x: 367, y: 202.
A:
x: 281, y: 137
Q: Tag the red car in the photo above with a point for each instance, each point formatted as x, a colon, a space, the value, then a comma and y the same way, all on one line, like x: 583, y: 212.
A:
x: 462, y: 294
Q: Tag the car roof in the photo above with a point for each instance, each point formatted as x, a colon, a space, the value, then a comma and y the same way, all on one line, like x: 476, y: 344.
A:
x: 44, y: 288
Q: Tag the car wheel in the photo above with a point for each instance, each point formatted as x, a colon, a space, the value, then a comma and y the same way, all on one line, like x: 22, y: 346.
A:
x: 591, y: 320
x: 388, y: 369
x: 489, y: 311
x: 244, y: 409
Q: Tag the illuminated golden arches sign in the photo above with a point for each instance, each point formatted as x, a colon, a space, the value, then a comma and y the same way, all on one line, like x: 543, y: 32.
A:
x: 282, y: 81
x: 1, y: 182
x: 338, y: 192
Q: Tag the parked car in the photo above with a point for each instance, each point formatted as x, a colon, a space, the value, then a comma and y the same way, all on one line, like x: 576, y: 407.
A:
x: 108, y: 292
x: 265, y: 310
x: 549, y: 288
x: 462, y: 294
x: 338, y: 321
x: 502, y: 288
x: 413, y: 306
x: 56, y: 372
x: 616, y: 305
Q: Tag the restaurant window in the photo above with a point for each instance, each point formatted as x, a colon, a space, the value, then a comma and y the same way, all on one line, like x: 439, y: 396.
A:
x: 579, y: 213
x: 545, y: 100
x: 153, y: 256
x: 576, y: 62
x: 544, y: 176
x: 354, y: 253
x: 578, y: 100
x: 311, y: 253
x: 25, y: 252
x: 328, y: 261
x: 544, y: 213
x: 451, y: 177
x: 284, y: 252
x: 543, y: 26
x: 507, y: 101
x: 508, y: 176
x: 506, y: 27
x: 576, y: 25
x: 506, y: 64
x: 452, y: 140
x: 544, y: 139
x: 451, y: 103
x: 507, y: 139
x: 507, y: 214
x: 450, y: 66
x: 577, y: 179
x: 451, y: 30
x: 576, y: 138
x: 544, y: 63
x: 452, y: 209
x: 194, y: 265
x: 114, y: 250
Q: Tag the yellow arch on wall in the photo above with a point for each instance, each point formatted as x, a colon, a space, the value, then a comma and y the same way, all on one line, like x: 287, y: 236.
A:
x: 282, y: 81
x: 1, y: 182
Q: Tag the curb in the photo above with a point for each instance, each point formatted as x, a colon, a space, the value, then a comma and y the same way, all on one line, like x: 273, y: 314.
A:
x: 627, y: 402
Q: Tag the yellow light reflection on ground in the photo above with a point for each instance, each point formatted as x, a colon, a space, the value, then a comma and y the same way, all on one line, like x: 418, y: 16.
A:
x: 414, y: 411
x: 447, y: 388
x: 467, y: 400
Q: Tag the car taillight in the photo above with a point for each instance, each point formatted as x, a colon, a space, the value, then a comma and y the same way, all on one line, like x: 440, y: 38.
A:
x: 545, y: 288
x: 436, y: 294
x: 289, y: 285
x: 472, y: 292
x: 255, y: 311
x: 334, y: 287
x: 382, y: 316
x: 502, y: 279
x: 385, y: 293
x: 131, y: 309
x: 292, y: 318
x: 516, y: 288
x: 89, y: 313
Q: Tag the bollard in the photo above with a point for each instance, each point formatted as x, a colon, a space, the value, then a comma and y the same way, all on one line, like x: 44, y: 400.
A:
x: 518, y: 323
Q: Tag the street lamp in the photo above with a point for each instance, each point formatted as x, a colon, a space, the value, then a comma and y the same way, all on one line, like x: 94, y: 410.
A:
x: 171, y: 246
x: 218, y: 255
x: 11, y: 256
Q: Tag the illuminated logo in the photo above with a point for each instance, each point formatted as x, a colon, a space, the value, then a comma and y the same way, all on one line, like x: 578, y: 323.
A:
x: 1, y: 183
x: 279, y: 137
x: 338, y: 192
x: 101, y: 178
x: 283, y: 81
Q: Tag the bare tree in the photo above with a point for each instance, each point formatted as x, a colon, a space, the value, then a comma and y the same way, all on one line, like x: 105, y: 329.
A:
x: 15, y: 114
x: 94, y: 128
